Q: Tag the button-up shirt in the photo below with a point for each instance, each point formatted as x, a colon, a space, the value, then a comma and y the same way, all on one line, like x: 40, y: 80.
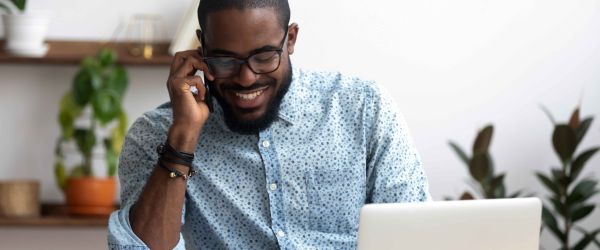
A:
x: 337, y: 143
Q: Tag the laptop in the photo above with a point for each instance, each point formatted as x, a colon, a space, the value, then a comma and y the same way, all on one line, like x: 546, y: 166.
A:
x: 495, y: 224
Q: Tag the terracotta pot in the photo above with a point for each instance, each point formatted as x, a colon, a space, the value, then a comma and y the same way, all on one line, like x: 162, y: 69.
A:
x: 91, y: 196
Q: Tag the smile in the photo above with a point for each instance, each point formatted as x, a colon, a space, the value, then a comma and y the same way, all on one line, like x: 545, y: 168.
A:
x: 250, y: 95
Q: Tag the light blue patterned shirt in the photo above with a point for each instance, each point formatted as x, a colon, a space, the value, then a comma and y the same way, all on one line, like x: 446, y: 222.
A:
x: 338, y: 143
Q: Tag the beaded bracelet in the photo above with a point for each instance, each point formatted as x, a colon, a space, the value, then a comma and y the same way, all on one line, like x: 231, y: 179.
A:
x: 174, y: 173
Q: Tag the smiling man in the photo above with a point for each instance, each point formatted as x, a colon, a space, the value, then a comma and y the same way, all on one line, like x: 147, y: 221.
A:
x: 286, y: 159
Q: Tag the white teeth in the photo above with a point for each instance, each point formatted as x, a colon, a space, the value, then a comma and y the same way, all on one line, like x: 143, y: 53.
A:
x: 249, y: 96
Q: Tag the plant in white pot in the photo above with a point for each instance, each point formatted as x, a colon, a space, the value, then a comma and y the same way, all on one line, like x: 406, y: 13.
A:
x: 96, y: 97
x: 24, y: 31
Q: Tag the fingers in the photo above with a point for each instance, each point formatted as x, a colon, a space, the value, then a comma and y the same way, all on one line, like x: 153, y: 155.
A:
x: 186, y: 63
x: 196, y: 81
x: 200, y: 97
x: 179, y: 86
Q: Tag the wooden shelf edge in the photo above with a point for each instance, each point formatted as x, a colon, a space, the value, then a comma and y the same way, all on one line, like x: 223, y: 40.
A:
x: 72, y: 52
x: 56, y: 215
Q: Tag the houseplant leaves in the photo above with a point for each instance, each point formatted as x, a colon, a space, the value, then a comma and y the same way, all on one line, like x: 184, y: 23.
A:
x: 564, y: 141
x: 568, y: 194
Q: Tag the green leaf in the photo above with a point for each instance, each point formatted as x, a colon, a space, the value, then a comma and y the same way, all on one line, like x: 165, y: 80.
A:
x: 122, y: 122
x: 558, y: 206
x: 84, y: 84
x: 583, y: 128
x: 90, y: 63
x: 561, y: 180
x: 69, y: 110
x: 499, y: 192
x: 515, y: 194
x: 106, y: 105
x: 461, y: 154
x: 117, y: 80
x: 118, y: 133
x: 66, y: 122
x: 6, y: 9
x: 479, y: 167
x: 483, y: 140
x: 86, y: 139
x: 117, y: 140
x: 20, y: 4
x: 586, y: 240
x: 78, y: 171
x: 497, y: 189
x: 60, y: 173
x: 111, y: 157
x: 580, y: 161
x: 548, y: 183
x: 582, y: 191
x: 564, y: 141
x: 551, y: 223
x: 581, y: 212
x: 107, y: 57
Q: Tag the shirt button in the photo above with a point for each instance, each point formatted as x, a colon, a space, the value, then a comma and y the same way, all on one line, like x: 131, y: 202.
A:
x: 280, y: 234
x: 266, y: 144
x: 273, y: 186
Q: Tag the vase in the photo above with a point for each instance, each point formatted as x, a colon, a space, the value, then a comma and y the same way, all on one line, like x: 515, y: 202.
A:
x: 25, y: 34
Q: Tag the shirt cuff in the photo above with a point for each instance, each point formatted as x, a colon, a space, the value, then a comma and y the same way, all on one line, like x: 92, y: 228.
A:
x: 121, y: 236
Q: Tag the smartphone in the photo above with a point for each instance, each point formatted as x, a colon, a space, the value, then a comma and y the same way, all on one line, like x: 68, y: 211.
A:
x: 207, y: 95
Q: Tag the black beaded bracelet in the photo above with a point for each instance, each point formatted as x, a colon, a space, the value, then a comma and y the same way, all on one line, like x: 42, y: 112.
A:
x: 174, y: 173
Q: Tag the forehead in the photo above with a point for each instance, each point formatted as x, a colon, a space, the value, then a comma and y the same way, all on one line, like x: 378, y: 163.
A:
x: 241, y: 31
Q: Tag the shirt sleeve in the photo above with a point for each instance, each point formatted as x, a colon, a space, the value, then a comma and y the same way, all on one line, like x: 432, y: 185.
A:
x: 136, y: 163
x: 394, y: 169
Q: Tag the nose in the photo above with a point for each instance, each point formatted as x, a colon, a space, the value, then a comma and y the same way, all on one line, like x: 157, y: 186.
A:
x: 246, y: 77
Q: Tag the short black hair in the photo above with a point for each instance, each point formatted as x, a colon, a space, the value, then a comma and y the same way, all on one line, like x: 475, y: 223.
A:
x: 209, y: 6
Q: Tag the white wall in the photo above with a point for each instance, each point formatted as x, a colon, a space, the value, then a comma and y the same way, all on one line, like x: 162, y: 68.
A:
x: 452, y: 67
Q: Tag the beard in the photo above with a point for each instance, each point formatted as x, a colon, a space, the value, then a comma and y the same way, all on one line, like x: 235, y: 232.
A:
x: 261, y: 123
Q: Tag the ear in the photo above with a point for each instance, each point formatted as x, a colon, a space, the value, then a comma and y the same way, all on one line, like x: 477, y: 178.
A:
x: 292, y: 36
x: 200, y: 37
x: 199, y: 34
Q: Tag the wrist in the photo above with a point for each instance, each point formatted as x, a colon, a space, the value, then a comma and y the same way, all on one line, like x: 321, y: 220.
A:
x: 183, y: 139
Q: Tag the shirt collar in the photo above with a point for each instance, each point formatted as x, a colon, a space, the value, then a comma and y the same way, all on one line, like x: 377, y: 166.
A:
x: 289, y: 110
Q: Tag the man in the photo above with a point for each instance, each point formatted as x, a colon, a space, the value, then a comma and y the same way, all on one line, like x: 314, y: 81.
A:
x: 286, y: 160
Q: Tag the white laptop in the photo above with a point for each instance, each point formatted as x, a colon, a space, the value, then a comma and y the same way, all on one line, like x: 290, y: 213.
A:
x: 498, y: 224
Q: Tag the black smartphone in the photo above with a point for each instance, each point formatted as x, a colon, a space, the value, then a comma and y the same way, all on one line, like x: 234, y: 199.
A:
x: 207, y: 94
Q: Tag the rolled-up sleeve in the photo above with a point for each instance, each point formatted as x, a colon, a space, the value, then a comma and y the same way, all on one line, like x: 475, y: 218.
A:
x: 135, y: 166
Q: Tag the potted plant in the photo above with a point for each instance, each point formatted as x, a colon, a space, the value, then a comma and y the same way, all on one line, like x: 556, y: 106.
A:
x: 24, y: 32
x: 486, y: 183
x: 95, y: 100
x: 568, y: 201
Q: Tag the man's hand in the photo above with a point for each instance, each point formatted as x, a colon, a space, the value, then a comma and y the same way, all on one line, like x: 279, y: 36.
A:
x: 190, y: 112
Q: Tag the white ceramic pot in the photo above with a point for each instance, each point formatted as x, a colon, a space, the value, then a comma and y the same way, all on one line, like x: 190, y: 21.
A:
x: 25, y: 34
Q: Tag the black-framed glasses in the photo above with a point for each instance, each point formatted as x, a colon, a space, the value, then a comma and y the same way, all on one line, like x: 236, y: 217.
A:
x: 262, y: 62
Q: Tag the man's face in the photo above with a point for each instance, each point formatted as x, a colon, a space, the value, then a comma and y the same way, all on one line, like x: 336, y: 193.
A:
x: 250, y: 100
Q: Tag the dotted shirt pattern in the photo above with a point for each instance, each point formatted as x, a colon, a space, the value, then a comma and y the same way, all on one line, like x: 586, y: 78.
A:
x: 337, y: 144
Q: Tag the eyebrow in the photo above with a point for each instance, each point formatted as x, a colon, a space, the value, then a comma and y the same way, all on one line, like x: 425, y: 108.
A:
x: 224, y: 52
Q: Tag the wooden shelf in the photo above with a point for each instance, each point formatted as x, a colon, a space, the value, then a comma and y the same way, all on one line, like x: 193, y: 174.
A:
x: 56, y: 215
x: 72, y: 52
